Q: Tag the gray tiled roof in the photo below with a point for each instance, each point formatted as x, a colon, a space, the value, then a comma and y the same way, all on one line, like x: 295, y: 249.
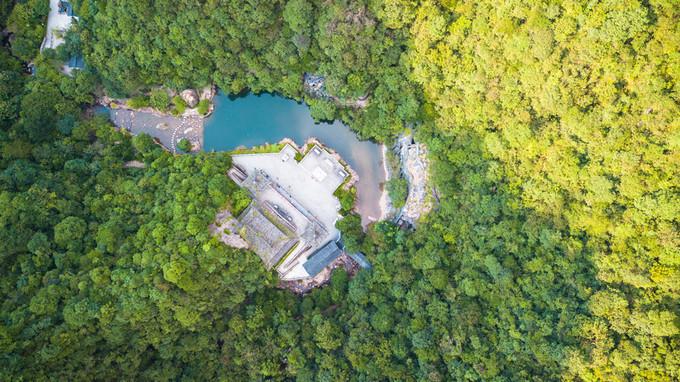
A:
x: 322, y: 258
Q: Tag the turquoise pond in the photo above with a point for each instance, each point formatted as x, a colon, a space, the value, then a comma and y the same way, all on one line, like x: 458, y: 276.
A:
x: 253, y: 120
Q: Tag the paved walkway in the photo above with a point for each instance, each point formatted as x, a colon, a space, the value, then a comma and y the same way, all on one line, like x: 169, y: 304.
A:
x: 168, y: 129
x: 57, y: 23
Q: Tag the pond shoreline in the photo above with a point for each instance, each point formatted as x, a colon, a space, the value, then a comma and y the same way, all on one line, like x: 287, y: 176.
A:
x: 240, y: 121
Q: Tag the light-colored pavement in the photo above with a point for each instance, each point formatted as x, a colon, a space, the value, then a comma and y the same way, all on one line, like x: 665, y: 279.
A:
x: 57, y: 24
x: 313, y: 191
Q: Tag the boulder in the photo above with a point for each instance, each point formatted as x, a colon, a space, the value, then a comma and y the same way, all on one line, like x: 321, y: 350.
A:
x: 190, y: 97
x: 208, y: 92
x: 105, y: 100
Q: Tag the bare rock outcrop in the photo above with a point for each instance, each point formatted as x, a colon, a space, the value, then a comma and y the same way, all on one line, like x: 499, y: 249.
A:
x: 415, y: 167
x: 190, y: 97
x: 226, y: 228
x: 208, y: 92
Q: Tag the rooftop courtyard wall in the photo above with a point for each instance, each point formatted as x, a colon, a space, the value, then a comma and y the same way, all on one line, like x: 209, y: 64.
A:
x: 265, y: 238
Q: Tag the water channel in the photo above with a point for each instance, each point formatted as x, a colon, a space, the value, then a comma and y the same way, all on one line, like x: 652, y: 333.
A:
x: 257, y: 119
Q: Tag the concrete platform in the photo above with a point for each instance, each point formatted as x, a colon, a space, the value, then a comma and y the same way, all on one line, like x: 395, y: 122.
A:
x: 168, y: 129
x: 298, y: 179
x: 300, y: 196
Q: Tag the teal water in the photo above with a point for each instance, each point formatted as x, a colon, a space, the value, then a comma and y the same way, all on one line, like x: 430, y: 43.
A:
x: 257, y: 119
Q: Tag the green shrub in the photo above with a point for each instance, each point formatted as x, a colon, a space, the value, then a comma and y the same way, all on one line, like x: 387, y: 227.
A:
x: 138, y: 102
x: 397, y: 188
x: 321, y: 110
x: 184, y: 145
x: 180, y: 105
x: 239, y: 201
x: 160, y: 100
x: 346, y: 198
x: 203, y: 107
x: 266, y: 148
x: 352, y: 233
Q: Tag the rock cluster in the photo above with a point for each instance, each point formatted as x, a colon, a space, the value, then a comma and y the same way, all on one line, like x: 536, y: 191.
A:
x: 190, y: 96
x: 415, y: 167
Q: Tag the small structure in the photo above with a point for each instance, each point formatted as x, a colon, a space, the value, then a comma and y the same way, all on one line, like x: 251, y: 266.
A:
x: 361, y: 260
x: 66, y: 8
x: 290, y: 223
x: 76, y: 62
x: 321, y: 258
x: 315, y: 85
x: 237, y: 174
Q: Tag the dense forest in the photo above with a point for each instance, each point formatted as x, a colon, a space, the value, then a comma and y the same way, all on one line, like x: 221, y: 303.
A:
x: 554, y: 253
